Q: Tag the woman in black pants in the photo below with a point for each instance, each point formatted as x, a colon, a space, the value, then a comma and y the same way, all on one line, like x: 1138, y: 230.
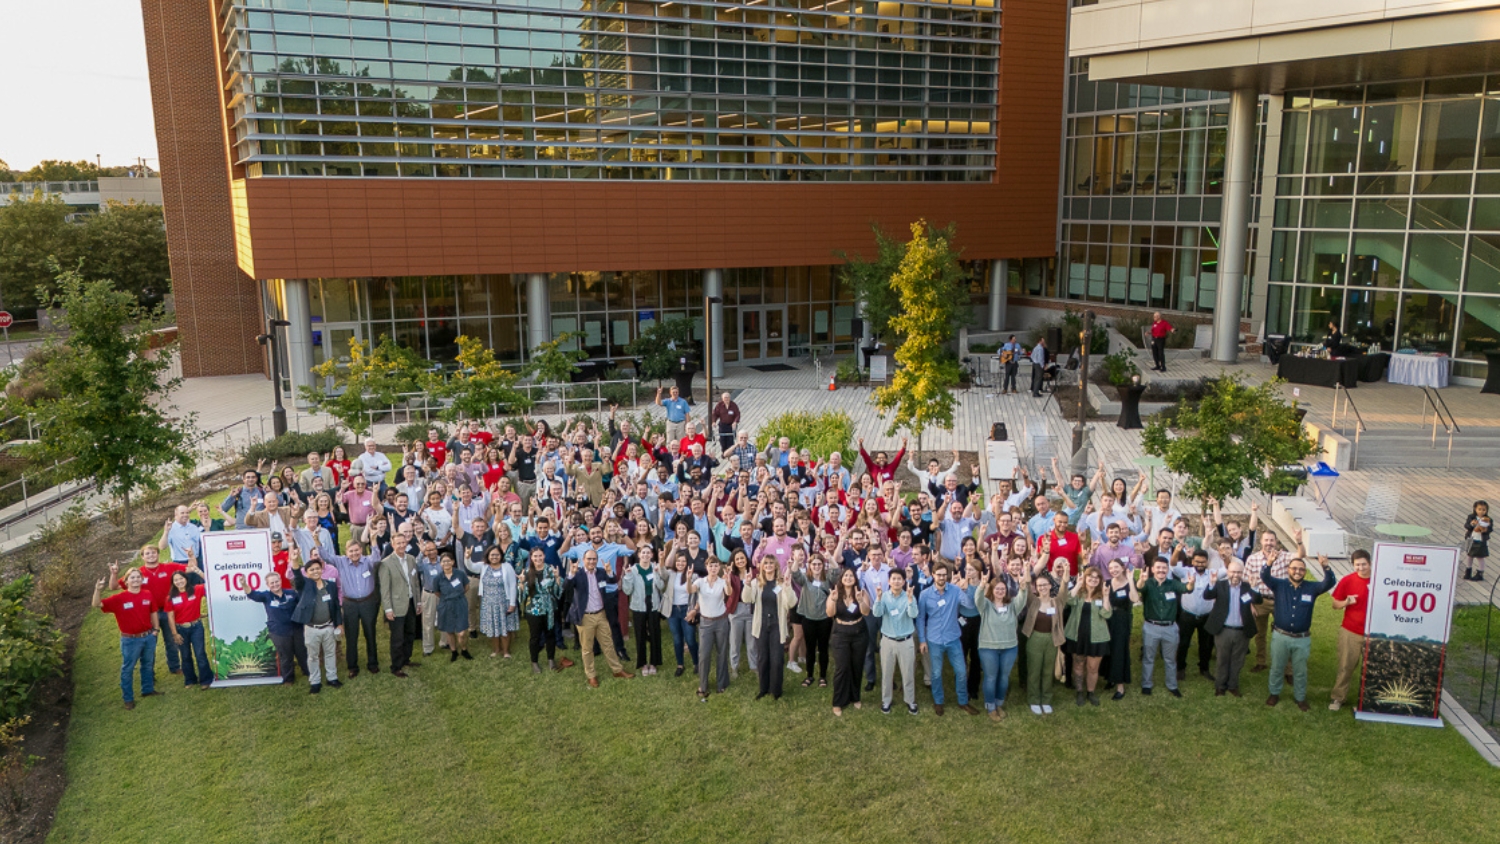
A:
x: 641, y: 582
x: 538, y: 595
x: 813, y: 607
x: 770, y: 595
x: 848, y: 605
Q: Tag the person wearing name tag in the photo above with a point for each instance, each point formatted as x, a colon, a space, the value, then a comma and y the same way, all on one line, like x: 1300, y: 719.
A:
x: 136, y: 614
x: 939, y: 634
x: 286, y: 635
x: 1232, y: 624
x: 847, y: 605
x: 770, y: 594
x: 897, y: 611
x: 1123, y: 599
x: 451, y: 586
x: 322, y: 621
x: 1290, y: 641
x: 356, y: 578
x: 1160, y: 594
x: 185, y: 615
x: 1087, y: 633
x: 1352, y: 595
x: 999, y: 617
x: 1043, y: 631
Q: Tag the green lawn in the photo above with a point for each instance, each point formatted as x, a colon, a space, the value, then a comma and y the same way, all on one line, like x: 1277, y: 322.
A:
x: 484, y: 750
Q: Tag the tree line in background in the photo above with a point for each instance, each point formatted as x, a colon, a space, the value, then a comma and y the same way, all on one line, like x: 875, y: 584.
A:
x: 125, y: 242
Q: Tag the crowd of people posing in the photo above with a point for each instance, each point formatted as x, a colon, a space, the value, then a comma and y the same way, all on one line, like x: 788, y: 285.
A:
x: 761, y: 559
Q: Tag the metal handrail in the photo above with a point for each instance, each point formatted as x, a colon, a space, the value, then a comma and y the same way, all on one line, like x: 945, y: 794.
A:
x: 1359, y: 421
x: 1439, y: 407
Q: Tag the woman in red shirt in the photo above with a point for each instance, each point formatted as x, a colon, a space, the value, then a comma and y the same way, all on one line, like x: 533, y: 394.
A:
x: 135, y: 613
x: 185, y: 615
x: 338, y: 463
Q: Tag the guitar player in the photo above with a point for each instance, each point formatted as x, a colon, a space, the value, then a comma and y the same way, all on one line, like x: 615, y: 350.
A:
x: 1010, y: 356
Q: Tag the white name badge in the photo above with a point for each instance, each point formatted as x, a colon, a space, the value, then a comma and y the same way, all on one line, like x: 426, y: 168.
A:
x: 177, y: 600
x: 1049, y: 611
x: 1098, y: 603
x: 960, y: 621
x: 776, y: 591
x: 853, y: 608
x: 1121, y: 593
x: 1171, y: 596
x: 327, y: 598
x: 128, y: 605
x: 1307, y: 599
x: 1245, y: 598
x: 367, y: 574
x: 943, y: 602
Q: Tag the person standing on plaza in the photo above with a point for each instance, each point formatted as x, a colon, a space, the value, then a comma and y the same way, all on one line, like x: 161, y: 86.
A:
x: 939, y: 635
x: 640, y: 583
x: 676, y: 408
x: 1269, y: 560
x: 1010, y: 361
x: 497, y: 601
x: 356, y: 577
x: 881, y: 467
x: 286, y: 635
x: 400, y: 589
x: 1160, y: 328
x: 847, y: 605
x: 725, y: 417
x: 539, y: 593
x: 451, y: 586
x: 1477, y: 529
x: 1232, y: 624
x: 1159, y: 600
x: 713, y: 626
x: 322, y: 621
x: 185, y: 617
x: 1290, y: 637
x: 999, y: 618
x: 770, y: 594
x: 587, y: 616
x: 1038, y: 366
x: 897, y: 609
x: 156, y: 579
x: 136, y: 615
x: 817, y: 626
x: 1087, y: 633
x: 1352, y: 595
x: 1193, y: 614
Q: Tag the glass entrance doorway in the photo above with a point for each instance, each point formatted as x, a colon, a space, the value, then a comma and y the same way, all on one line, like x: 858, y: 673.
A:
x: 762, y: 334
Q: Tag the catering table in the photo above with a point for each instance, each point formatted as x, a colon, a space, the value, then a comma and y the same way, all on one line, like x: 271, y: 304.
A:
x: 1373, y: 367
x: 1319, y: 372
x: 1420, y: 370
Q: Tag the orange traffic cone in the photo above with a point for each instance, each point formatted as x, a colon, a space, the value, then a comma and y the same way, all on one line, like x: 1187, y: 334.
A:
x: 831, y: 386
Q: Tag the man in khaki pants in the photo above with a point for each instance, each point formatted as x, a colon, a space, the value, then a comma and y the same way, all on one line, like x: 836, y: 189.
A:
x: 1352, y: 595
x: 430, y: 569
x: 1271, y: 559
x: 587, y: 616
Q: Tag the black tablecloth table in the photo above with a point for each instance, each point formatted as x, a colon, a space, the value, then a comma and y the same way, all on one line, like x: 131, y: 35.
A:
x: 1318, y: 372
x: 1492, y: 378
x: 1372, y: 367
x: 1130, y: 406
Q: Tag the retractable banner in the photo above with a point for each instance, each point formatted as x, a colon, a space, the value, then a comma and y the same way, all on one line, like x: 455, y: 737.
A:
x: 240, y: 645
x: 1412, y: 589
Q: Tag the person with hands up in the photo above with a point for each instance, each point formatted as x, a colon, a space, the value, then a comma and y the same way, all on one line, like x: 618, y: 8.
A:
x: 847, y: 605
x: 938, y: 634
x: 1232, y: 624
x: 586, y: 613
x: 1159, y: 598
x: 322, y: 619
x: 1043, y: 632
x: 1294, y: 597
x: 713, y: 625
x: 771, y: 595
x: 896, y: 608
x: 136, y: 614
x: 1087, y: 632
x: 1000, y: 613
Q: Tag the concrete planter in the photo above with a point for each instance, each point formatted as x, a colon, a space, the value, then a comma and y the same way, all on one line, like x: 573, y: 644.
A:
x: 1105, y: 405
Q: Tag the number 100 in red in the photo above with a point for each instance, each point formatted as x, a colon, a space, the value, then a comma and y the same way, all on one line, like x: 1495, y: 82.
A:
x: 236, y: 582
x: 1410, y: 601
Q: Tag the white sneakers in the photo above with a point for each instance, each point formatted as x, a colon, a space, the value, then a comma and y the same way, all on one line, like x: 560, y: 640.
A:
x: 1036, y: 710
x: 1335, y: 706
x: 794, y: 667
x: 1046, y: 710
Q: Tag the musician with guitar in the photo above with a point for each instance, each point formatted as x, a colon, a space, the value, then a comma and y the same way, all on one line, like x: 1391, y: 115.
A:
x: 1010, y: 361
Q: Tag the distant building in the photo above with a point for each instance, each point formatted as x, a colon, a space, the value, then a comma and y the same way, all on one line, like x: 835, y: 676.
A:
x: 89, y: 196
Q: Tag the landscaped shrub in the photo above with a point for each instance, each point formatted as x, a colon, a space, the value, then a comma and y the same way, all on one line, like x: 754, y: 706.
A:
x: 413, y: 431
x: 295, y: 444
x: 820, y: 433
x: 847, y: 371
x: 31, y: 648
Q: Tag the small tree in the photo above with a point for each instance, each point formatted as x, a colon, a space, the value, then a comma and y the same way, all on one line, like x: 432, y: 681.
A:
x: 928, y: 282
x: 659, y: 347
x: 870, y: 281
x: 1235, y: 435
x: 111, y: 382
x: 480, y: 385
x: 370, y: 380
x: 553, y: 364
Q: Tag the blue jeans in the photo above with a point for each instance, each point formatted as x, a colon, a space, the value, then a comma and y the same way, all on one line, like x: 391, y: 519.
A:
x: 142, y: 650
x: 682, y: 632
x: 173, y: 663
x: 995, y: 683
x: 954, y: 651
x: 192, y: 649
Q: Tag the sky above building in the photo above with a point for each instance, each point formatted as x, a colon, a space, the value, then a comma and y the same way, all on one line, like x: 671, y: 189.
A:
x: 73, y: 83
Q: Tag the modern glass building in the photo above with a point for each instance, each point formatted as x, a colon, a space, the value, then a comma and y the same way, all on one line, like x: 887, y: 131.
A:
x: 515, y: 169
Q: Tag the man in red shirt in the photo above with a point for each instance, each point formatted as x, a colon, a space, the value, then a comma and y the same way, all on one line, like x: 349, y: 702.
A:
x: 136, y: 615
x: 880, y: 467
x: 156, y: 579
x: 1352, y: 595
x: 1060, y: 543
x: 479, y: 435
x: 1160, y: 328
x: 437, y: 447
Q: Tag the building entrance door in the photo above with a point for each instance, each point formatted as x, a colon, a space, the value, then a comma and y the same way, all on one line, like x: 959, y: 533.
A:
x: 762, y: 334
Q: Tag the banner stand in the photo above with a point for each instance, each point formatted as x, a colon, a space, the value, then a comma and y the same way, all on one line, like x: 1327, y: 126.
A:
x: 239, y: 644
x: 1412, y: 589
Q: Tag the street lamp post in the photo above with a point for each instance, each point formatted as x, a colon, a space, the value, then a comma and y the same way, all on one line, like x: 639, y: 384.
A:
x: 1085, y: 339
x: 708, y: 345
x: 269, y: 340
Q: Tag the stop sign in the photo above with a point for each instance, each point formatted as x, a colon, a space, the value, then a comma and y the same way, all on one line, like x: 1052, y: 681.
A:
x: 6, y: 320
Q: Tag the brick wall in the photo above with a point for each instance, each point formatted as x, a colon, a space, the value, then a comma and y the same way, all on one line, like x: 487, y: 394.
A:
x: 218, y: 306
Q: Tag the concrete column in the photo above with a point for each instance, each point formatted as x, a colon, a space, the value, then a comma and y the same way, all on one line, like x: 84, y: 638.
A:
x: 1234, y: 224
x: 538, y: 311
x: 999, y: 288
x: 1192, y: 157
x: 299, y: 349
x: 1270, y: 153
x: 713, y: 285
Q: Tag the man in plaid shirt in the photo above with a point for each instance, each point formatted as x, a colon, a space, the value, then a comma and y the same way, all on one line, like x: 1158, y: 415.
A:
x: 1271, y: 558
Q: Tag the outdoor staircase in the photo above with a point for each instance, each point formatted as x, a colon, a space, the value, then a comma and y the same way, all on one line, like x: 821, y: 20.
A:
x: 1382, y: 448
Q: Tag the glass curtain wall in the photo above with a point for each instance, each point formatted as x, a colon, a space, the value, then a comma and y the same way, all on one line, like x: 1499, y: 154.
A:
x: 1387, y: 217
x: 808, y: 90
x: 1142, y: 192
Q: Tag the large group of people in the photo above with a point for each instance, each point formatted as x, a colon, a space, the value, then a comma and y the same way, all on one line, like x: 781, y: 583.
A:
x: 746, y: 557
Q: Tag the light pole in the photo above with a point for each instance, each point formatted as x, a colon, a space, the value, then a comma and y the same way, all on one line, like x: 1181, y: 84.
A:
x: 278, y: 413
x: 708, y: 345
x: 1085, y: 339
